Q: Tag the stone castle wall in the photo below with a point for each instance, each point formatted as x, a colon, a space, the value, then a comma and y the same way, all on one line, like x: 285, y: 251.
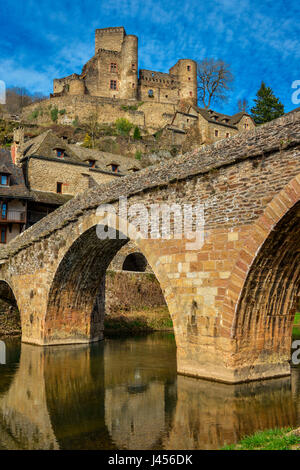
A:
x: 150, y: 115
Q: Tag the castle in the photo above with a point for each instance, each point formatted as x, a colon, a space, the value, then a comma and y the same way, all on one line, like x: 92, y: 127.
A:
x: 113, y: 73
x: 111, y: 86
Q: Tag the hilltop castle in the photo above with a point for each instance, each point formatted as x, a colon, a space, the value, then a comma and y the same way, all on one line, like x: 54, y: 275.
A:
x: 111, y: 86
x: 113, y: 73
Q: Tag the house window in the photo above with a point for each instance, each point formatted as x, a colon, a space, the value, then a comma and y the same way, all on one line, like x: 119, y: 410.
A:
x: 59, y: 188
x: 191, y: 93
x: 114, y: 167
x: 60, y: 153
x: 3, y: 211
x: 227, y: 134
x: 133, y: 85
x: 188, y: 68
x: 113, y: 84
x: 113, y: 67
x: 166, y: 96
x: 189, y: 78
x: 4, y: 180
x: 216, y: 133
x: 92, y: 163
x: 3, y: 234
x: 133, y: 66
x: 150, y: 93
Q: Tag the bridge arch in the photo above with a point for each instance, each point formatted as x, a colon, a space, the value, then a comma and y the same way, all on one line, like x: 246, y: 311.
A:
x: 265, y: 284
x: 76, y: 299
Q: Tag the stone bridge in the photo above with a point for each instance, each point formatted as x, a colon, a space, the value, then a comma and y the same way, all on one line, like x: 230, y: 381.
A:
x: 232, y: 301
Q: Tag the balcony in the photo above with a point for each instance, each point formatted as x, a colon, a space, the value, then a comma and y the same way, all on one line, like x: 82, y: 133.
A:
x: 17, y: 216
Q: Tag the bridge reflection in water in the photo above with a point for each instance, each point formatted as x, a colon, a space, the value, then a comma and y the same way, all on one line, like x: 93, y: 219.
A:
x: 125, y: 394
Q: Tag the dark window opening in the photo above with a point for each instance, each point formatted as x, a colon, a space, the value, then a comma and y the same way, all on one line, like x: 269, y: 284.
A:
x: 150, y: 93
x: 3, y: 211
x: 113, y: 84
x: 60, y: 153
x: 135, y: 262
x: 3, y: 230
x: 216, y: 133
x: 188, y: 68
x: 4, y: 180
x: 59, y: 188
x: 113, y: 67
x: 114, y: 167
x: 92, y: 163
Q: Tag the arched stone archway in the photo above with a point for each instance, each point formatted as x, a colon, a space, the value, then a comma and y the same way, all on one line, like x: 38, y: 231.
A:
x: 264, y: 287
x: 76, y: 300
x: 135, y: 262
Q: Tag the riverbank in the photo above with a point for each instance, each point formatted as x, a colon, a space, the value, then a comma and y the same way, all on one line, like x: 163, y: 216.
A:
x: 272, y: 439
x: 133, y: 322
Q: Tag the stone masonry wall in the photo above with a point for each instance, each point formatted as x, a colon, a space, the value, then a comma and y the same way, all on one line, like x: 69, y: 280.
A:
x: 45, y: 174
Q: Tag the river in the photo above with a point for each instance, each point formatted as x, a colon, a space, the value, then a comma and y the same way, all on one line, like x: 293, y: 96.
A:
x: 125, y: 394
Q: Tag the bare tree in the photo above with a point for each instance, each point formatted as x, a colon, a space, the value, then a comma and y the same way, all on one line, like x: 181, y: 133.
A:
x: 214, y: 81
x: 243, y: 105
x: 18, y: 97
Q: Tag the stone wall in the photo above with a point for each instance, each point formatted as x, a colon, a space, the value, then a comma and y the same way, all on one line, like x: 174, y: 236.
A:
x: 150, y: 115
x: 131, y: 291
x: 43, y: 175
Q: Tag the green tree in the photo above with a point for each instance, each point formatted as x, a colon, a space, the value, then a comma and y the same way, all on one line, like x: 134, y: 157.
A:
x: 136, y: 133
x: 267, y: 106
x: 123, y: 126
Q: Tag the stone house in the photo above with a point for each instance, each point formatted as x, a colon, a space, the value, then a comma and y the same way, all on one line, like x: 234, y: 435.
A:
x: 211, y: 125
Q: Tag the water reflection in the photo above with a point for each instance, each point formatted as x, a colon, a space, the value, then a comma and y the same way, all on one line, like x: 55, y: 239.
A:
x: 125, y: 394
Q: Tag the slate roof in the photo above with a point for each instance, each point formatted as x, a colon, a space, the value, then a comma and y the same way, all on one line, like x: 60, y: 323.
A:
x: 44, y: 145
x: 104, y: 159
x: 223, y: 119
x: 49, y: 197
x: 17, y: 186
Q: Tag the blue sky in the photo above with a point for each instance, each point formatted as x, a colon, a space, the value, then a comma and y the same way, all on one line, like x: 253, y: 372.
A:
x: 42, y: 40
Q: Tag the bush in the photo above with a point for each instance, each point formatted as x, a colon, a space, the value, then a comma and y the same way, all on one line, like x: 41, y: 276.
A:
x: 87, y: 142
x: 123, y: 126
x: 54, y: 114
x: 75, y: 123
x: 136, y: 133
x: 62, y: 111
x: 34, y: 114
x: 138, y: 155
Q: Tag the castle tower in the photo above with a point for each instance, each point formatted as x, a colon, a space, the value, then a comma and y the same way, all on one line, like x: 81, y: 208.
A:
x: 16, y: 148
x: 109, y: 39
x: 186, y: 72
x: 129, y: 68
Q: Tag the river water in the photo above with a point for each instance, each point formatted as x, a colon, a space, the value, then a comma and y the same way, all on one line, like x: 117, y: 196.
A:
x: 125, y: 394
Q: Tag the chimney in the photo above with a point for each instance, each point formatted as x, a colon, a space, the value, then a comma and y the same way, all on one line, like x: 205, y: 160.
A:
x: 17, y: 145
